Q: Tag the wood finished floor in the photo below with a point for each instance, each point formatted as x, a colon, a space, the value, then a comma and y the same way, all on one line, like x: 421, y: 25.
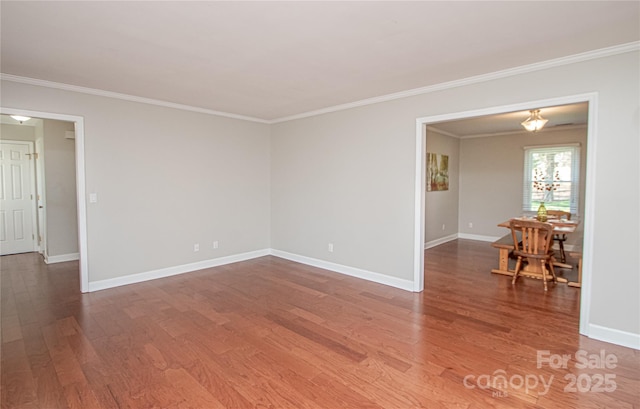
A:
x: 269, y: 333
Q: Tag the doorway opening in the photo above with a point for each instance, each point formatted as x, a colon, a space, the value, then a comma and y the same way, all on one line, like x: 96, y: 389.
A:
x: 78, y: 125
x: 589, y: 178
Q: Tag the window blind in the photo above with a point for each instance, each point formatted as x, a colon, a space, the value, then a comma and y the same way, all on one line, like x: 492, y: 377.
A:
x: 552, y: 176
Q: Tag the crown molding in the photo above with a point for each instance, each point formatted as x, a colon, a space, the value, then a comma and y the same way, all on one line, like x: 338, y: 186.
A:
x: 125, y: 97
x: 443, y: 132
x: 504, y: 133
x: 571, y: 59
x: 557, y: 62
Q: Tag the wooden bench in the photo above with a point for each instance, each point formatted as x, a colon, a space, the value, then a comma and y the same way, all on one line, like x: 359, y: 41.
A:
x: 577, y: 252
x: 505, y: 247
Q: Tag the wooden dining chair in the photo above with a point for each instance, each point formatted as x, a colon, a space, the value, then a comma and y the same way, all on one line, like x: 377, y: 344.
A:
x: 532, y: 241
x: 560, y: 238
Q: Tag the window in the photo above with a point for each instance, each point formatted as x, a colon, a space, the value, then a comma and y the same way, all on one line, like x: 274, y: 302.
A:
x: 551, y: 175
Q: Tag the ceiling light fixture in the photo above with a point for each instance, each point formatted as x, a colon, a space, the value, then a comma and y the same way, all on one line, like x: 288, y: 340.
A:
x: 535, y: 122
x: 20, y: 118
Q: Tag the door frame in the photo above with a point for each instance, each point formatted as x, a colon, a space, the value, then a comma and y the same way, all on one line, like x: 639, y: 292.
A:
x: 32, y: 184
x: 80, y: 182
x: 590, y: 188
x: 41, y: 199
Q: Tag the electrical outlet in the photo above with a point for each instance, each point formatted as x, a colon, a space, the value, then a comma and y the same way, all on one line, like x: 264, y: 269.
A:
x: 330, y: 247
x: 196, y: 247
x: 215, y: 244
x: 442, y: 226
x: 470, y: 225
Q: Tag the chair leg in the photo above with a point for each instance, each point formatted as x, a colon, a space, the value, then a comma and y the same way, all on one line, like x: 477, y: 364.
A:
x: 544, y: 272
x: 553, y: 270
x: 515, y: 275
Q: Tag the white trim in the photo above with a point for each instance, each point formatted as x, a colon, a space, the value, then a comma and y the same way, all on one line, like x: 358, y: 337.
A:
x: 529, y: 203
x: 346, y: 270
x: 41, y: 183
x: 176, y: 270
x: 201, y: 265
x: 441, y: 240
x: 557, y: 62
x: 557, y: 145
x: 478, y: 237
x: 571, y: 59
x: 556, y: 128
x: 82, y: 205
x: 614, y: 336
x: 80, y: 183
x: 61, y: 258
x: 432, y: 128
x: 589, y: 215
x: 419, y: 207
x: 125, y: 97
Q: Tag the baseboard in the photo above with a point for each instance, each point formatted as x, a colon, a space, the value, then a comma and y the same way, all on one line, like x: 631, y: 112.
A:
x: 598, y: 332
x: 614, y: 336
x: 346, y: 270
x: 440, y: 241
x: 478, y: 237
x: 567, y: 247
x: 186, y: 268
x: 61, y: 258
x: 171, y: 271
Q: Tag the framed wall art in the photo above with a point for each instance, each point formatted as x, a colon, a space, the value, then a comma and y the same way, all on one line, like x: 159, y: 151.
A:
x: 437, y: 172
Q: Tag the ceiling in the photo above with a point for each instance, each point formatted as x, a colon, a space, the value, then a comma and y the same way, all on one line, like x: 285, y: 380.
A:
x: 6, y: 119
x: 273, y: 60
x: 562, y: 116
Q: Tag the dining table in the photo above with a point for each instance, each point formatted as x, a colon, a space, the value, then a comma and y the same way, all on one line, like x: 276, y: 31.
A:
x: 505, y: 246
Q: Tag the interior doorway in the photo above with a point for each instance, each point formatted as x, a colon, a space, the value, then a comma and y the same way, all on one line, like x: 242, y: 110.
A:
x: 81, y: 214
x: 27, y: 222
x: 587, y: 214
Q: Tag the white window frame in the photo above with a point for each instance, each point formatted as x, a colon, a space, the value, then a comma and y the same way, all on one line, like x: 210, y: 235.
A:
x: 528, y: 205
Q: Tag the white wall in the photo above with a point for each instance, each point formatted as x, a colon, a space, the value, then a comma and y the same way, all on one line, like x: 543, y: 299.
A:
x: 60, y: 180
x: 17, y: 132
x: 349, y: 177
x: 441, y: 208
x: 165, y: 179
x: 342, y: 179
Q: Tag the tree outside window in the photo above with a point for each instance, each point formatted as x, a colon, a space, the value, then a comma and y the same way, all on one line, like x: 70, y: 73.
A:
x: 551, y: 176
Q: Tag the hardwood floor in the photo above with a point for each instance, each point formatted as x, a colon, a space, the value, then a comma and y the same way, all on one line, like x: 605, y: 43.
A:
x: 269, y: 333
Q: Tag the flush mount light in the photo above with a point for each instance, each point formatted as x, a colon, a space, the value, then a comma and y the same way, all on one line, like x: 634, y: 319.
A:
x: 535, y: 122
x: 20, y: 118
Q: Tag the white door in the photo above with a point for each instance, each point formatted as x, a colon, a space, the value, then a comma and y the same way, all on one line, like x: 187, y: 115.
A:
x: 17, y: 204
